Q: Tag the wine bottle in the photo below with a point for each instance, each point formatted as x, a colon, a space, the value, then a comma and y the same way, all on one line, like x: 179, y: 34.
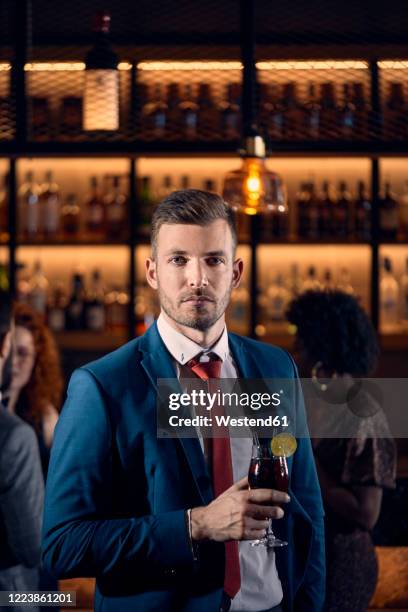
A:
x: 30, y: 208
x: 50, y: 206
x: 95, y: 211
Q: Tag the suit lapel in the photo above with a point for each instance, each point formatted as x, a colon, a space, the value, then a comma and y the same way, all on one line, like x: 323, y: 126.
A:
x: 157, y: 363
x: 246, y: 364
x: 248, y: 367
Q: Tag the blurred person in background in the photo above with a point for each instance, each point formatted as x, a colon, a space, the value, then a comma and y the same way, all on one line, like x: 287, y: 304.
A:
x: 336, y: 341
x: 36, y: 384
x: 21, y: 484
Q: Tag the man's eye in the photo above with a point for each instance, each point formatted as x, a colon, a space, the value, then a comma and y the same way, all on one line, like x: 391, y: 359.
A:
x: 178, y: 260
x: 214, y: 261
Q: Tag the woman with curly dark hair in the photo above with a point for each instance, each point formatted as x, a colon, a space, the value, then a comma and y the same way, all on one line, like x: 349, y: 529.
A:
x: 36, y: 382
x: 335, y: 343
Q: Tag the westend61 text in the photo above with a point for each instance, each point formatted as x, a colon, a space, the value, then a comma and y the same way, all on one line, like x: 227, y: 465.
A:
x: 227, y: 421
x: 206, y: 400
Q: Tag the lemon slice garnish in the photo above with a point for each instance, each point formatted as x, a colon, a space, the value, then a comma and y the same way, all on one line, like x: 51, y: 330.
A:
x: 283, y: 445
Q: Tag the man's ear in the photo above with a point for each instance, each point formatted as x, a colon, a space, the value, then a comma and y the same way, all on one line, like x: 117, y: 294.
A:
x: 237, y: 269
x: 151, y: 272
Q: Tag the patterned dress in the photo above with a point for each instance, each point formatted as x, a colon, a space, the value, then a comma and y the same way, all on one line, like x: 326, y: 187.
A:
x: 364, y: 460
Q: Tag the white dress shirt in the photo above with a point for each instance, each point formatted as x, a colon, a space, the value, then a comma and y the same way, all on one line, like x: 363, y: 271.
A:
x: 261, y: 588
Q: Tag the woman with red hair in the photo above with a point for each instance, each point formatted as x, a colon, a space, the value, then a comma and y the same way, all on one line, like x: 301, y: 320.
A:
x: 36, y: 382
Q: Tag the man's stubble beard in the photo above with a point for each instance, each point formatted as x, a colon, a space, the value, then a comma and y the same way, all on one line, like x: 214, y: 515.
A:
x: 199, y: 321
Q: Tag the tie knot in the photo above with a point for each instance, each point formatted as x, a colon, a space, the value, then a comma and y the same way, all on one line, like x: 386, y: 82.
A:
x: 206, y: 369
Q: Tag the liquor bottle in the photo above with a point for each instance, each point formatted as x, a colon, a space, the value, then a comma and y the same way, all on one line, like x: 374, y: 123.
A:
x: 271, y: 111
x: 360, y: 116
x: 292, y: 114
x: 388, y: 215
x: 344, y: 281
x: 4, y: 210
x: 165, y: 188
x: 231, y: 113
x: 362, y: 214
x: 188, y: 110
x: 30, y: 208
x: 328, y: 111
x: 174, y: 123
x: 115, y: 211
x: 395, y: 113
x: 146, y: 204
x: 295, y: 281
x: 311, y: 282
x: 327, y: 204
x: 185, y: 182
x: 208, y: 114
x: 23, y: 284
x: 154, y: 115
x: 117, y: 305
x: 75, y: 310
x: 39, y: 287
x: 312, y: 212
x: 209, y: 185
x: 274, y: 223
x: 144, y: 308
x: 302, y: 201
x: 328, y: 283
x: 341, y: 212
x: 137, y: 118
x: 101, y: 79
x: 238, y: 310
x: 70, y: 217
x: 50, y: 206
x: 278, y: 298
x: 404, y: 294
x: 95, y: 304
x: 94, y: 211
x: 347, y: 115
x: 389, y: 296
x: 312, y: 114
x: 403, y: 213
x: 56, y: 308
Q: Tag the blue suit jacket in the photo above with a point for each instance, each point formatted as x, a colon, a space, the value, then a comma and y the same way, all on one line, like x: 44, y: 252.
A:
x: 116, y: 494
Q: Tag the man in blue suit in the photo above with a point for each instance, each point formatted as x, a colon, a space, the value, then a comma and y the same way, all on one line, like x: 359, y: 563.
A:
x: 140, y: 512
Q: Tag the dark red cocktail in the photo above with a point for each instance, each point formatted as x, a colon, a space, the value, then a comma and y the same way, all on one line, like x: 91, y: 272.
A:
x: 269, y: 473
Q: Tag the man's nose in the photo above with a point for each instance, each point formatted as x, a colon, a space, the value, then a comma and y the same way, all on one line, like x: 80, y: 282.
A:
x: 197, y: 276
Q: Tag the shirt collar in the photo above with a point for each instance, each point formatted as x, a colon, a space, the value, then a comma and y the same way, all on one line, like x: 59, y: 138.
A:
x: 183, y: 349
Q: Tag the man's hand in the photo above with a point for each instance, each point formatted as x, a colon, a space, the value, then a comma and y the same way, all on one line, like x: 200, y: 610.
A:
x: 237, y: 514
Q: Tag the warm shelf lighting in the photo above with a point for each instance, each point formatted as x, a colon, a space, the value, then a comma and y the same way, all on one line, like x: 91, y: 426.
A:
x: 313, y: 65
x: 253, y: 189
x: 189, y: 65
x: 101, y: 93
x: 393, y: 65
x: 214, y: 65
x: 54, y: 66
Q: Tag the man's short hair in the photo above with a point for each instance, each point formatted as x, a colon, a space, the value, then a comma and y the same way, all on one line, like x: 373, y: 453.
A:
x: 5, y: 314
x: 192, y: 207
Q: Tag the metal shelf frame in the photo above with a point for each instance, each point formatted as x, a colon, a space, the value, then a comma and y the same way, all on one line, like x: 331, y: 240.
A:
x: 21, y: 147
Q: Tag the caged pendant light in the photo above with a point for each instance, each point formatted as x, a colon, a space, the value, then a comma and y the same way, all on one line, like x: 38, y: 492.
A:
x: 252, y: 189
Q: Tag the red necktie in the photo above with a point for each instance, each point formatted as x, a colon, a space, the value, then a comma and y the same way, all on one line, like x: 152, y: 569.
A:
x: 219, y: 451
